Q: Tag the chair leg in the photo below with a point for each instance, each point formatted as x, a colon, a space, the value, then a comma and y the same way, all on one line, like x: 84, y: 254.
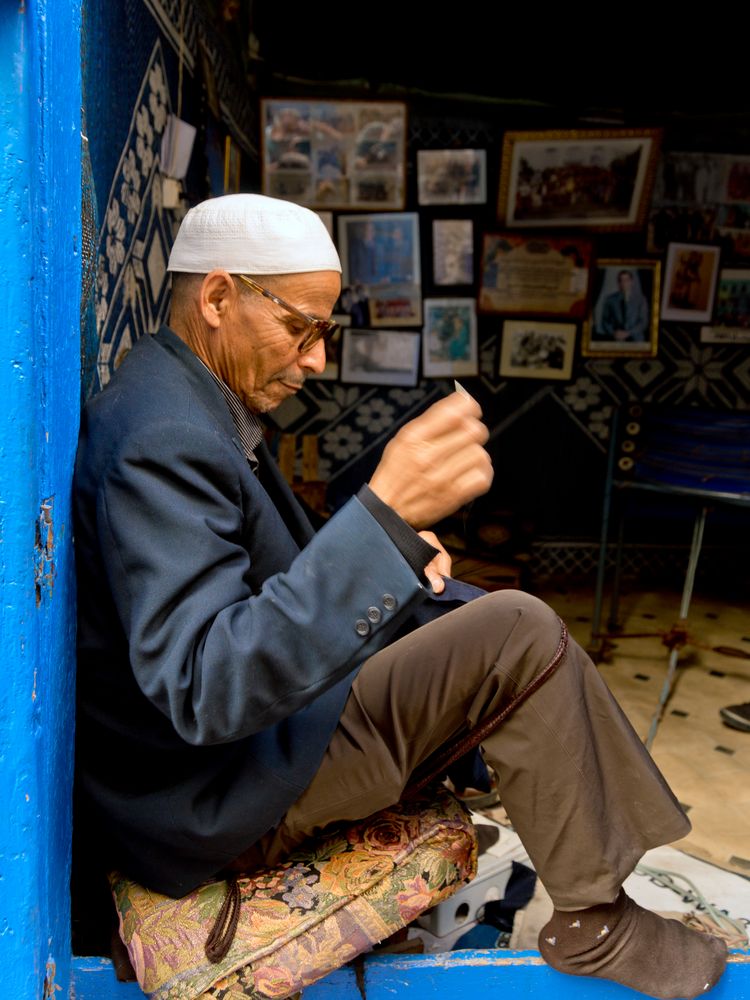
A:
x: 687, y: 595
x: 613, y: 623
x: 597, y: 643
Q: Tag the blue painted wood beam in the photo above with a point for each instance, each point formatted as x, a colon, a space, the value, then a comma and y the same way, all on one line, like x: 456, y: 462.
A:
x: 455, y: 975
x: 40, y: 225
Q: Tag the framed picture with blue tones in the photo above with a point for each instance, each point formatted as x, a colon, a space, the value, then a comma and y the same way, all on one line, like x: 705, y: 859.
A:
x: 449, y: 338
x: 381, y: 262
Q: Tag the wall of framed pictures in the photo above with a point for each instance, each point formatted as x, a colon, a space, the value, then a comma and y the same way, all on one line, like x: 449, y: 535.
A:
x: 555, y: 267
x: 553, y: 273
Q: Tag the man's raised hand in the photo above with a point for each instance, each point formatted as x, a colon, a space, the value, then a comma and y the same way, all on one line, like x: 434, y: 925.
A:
x: 435, y: 463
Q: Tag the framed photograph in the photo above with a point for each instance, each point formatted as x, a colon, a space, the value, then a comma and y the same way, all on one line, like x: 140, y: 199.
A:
x: 600, y: 179
x: 690, y: 276
x: 690, y: 179
x: 380, y: 261
x: 624, y: 317
x: 733, y: 231
x: 334, y: 154
x: 452, y: 251
x: 380, y: 357
x: 452, y: 176
x: 534, y: 349
x: 676, y: 223
x: 232, y: 164
x: 736, y: 188
x: 449, y: 338
x: 688, y: 190
x: 548, y: 275
x: 731, y: 322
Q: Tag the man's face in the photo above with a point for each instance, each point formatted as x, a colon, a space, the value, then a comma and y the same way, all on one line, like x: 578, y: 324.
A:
x: 255, y: 348
x: 625, y: 281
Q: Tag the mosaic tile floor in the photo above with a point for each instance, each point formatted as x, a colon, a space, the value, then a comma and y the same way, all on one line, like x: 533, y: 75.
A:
x: 706, y: 763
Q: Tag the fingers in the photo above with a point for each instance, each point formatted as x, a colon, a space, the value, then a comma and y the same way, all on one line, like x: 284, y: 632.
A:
x: 436, y: 462
x: 435, y: 579
x: 452, y: 415
x: 447, y: 428
x: 442, y: 562
x: 438, y: 567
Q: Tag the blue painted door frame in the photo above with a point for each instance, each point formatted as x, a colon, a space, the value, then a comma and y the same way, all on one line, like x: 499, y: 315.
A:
x: 40, y: 227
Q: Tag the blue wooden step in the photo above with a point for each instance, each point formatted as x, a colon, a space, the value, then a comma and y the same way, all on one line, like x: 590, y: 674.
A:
x: 455, y: 975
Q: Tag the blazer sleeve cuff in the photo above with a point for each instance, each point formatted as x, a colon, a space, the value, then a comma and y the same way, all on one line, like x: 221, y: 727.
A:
x: 415, y: 550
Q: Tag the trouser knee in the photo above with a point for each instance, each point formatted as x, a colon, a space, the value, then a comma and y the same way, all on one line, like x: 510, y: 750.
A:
x: 530, y: 629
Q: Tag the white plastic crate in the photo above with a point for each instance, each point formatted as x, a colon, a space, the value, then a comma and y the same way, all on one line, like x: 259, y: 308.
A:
x: 463, y: 908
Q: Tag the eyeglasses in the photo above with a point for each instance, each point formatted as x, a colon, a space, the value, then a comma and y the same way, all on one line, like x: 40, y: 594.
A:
x: 318, y: 328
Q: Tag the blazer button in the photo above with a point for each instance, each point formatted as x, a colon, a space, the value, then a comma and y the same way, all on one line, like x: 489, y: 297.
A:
x: 389, y: 602
x: 362, y: 627
x: 374, y: 615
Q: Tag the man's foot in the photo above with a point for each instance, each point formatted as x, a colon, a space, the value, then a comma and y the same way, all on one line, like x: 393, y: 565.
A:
x: 737, y: 716
x: 629, y: 945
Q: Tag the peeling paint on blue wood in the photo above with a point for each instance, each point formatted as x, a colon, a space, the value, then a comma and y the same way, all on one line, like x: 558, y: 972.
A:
x: 40, y: 198
x: 463, y: 975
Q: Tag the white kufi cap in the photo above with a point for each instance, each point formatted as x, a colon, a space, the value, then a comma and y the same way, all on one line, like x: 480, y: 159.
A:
x: 252, y: 234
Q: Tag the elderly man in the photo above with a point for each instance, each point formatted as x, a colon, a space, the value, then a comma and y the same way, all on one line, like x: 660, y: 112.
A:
x: 243, y: 682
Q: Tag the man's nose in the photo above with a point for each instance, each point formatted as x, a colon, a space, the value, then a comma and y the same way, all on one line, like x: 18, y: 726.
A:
x: 314, y: 360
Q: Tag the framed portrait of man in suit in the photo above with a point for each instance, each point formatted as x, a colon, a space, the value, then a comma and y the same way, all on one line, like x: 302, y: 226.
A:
x: 624, y: 314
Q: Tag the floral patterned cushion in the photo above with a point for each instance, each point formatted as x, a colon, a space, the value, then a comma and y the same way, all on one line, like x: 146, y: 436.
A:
x: 333, y: 899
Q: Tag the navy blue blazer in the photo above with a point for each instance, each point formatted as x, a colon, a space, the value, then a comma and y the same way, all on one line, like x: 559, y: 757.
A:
x: 218, y: 635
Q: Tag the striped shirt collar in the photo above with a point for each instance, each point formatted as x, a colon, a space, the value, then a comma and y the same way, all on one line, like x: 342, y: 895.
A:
x: 248, y: 425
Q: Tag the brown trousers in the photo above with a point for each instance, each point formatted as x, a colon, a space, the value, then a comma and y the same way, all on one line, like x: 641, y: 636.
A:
x: 578, y: 785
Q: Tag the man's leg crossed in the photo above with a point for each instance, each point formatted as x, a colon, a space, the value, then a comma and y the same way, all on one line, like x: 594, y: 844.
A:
x: 567, y: 758
x: 580, y: 788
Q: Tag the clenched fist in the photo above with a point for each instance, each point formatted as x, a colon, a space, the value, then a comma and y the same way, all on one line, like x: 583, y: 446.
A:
x: 435, y: 463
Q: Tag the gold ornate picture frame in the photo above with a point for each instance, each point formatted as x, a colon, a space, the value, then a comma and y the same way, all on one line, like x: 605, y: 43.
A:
x: 624, y: 318
x: 598, y: 179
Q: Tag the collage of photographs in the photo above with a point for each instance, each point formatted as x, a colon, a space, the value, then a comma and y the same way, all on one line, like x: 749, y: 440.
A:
x: 533, y: 264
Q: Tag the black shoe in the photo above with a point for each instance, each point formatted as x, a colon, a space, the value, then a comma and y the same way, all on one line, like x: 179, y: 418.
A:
x: 737, y: 716
x: 487, y: 836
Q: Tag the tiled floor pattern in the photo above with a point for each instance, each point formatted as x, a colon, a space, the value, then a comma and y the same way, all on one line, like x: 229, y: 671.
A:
x: 706, y: 763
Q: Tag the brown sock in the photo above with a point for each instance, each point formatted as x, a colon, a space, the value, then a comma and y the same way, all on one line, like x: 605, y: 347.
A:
x: 629, y: 945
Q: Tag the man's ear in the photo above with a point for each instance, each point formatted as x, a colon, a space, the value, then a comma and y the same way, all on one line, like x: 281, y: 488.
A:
x: 217, y: 295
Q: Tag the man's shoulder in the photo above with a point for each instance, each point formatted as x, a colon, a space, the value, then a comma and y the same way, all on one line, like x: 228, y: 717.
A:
x: 160, y: 374
x: 160, y: 389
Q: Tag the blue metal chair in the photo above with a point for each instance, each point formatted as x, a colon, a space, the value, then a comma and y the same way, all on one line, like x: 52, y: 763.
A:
x: 697, y: 459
